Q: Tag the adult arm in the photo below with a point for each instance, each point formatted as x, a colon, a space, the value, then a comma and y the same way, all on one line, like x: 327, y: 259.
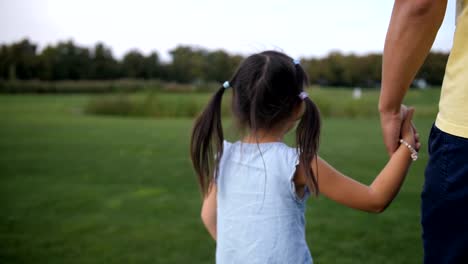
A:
x: 411, y: 33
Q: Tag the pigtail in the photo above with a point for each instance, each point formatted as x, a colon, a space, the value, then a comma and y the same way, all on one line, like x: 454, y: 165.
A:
x: 308, y: 132
x: 307, y: 140
x: 206, y: 145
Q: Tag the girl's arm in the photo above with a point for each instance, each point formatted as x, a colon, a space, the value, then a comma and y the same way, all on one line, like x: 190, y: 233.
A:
x: 376, y: 197
x: 208, y: 212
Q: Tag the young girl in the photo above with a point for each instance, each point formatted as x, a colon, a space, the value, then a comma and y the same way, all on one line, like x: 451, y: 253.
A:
x: 255, y: 189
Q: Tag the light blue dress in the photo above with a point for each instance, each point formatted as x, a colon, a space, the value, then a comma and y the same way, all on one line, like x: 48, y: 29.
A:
x: 260, y: 219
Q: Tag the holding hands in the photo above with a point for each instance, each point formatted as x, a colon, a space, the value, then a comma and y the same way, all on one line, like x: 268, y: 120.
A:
x: 399, y: 126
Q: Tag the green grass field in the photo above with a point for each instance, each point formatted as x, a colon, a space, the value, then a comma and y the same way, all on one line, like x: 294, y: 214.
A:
x: 77, y: 188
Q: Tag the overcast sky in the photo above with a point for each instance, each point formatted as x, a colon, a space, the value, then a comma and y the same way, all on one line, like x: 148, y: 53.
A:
x: 297, y: 27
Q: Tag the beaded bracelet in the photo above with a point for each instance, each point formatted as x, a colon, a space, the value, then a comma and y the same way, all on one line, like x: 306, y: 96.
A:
x: 414, y: 153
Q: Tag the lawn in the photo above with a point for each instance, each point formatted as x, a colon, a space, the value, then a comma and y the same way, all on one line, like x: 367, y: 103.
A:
x: 77, y: 188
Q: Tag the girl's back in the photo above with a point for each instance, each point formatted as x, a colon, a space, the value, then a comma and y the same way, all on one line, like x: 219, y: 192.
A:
x: 250, y: 205
x: 259, y: 217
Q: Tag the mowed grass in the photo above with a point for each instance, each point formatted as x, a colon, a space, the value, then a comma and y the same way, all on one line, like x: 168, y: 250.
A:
x: 77, y: 188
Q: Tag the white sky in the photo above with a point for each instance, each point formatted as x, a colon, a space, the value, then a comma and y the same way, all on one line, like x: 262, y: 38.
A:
x: 297, y: 27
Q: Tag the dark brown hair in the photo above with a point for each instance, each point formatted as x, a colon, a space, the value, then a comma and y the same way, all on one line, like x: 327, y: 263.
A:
x: 266, y: 89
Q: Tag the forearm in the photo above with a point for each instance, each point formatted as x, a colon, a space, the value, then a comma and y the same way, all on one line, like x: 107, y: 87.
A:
x: 411, y: 33
x: 211, y: 227
x: 208, y: 212
x: 387, y: 184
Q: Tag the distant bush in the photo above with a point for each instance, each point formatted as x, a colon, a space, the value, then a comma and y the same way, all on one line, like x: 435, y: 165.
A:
x: 152, y: 104
x: 331, y: 102
x: 104, y: 86
x: 35, y: 86
x: 119, y: 105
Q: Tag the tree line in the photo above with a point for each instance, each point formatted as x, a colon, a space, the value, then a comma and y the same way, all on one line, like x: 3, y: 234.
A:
x: 68, y: 61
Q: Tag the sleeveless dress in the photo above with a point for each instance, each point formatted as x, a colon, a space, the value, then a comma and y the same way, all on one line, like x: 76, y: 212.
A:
x: 260, y: 219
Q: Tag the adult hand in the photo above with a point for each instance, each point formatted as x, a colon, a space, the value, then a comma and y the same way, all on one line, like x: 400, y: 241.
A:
x: 391, y: 128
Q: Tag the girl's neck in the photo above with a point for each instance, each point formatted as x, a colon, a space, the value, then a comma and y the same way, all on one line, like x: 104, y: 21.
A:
x: 262, y: 137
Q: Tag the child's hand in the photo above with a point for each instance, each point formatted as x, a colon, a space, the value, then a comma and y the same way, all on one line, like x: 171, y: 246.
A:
x: 408, y: 130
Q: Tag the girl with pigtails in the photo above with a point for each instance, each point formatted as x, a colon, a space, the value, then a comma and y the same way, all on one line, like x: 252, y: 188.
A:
x: 255, y: 189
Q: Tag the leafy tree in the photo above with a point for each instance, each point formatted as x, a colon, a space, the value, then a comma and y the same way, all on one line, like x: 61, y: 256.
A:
x: 219, y: 66
x: 133, y: 65
x: 18, y: 61
x: 103, y: 64
x: 5, y: 61
x: 187, y: 64
x: 136, y: 65
x: 152, y: 66
x: 68, y: 61
x: 433, y: 68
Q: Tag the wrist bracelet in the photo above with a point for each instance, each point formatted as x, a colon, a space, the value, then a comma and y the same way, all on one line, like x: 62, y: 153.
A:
x: 414, y: 153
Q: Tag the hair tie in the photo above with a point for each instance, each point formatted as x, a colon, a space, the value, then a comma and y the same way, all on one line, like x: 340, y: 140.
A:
x: 303, y: 95
x: 297, y: 61
x: 226, y: 85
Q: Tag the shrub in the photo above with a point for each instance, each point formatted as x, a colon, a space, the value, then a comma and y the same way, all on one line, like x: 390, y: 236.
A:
x: 119, y: 105
x: 334, y: 103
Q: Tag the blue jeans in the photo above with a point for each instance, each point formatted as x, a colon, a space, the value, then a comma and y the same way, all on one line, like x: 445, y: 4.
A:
x: 444, y: 208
